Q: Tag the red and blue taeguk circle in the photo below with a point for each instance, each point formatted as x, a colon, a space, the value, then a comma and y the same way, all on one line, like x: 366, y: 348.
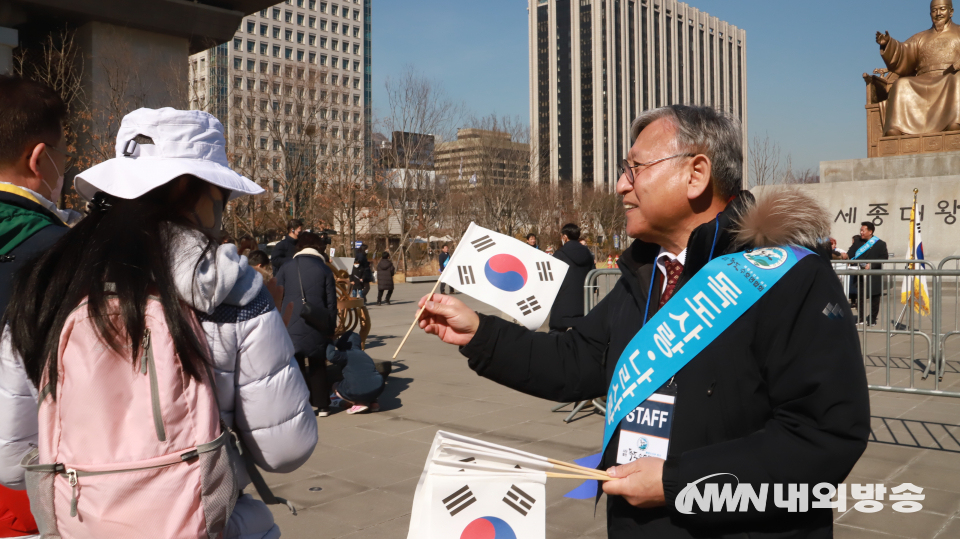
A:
x: 488, y: 528
x: 506, y: 272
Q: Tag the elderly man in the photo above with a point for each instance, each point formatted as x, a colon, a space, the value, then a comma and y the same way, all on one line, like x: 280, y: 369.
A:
x: 926, y: 97
x: 779, y: 397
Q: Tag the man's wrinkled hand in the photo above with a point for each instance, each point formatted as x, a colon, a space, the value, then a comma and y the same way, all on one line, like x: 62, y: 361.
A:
x: 448, y: 318
x: 639, y: 482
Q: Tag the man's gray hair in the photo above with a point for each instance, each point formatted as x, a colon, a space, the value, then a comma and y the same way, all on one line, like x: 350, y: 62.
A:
x: 704, y: 130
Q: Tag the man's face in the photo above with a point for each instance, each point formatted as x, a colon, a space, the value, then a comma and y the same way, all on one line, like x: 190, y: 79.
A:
x: 865, y: 233
x: 940, y: 13
x: 532, y: 240
x: 296, y: 232
x: 657, y: 200
x: 446, y: 249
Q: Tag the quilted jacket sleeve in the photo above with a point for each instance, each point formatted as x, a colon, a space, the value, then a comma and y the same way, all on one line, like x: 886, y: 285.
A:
x: 272, y: 407
x: 18, y: 416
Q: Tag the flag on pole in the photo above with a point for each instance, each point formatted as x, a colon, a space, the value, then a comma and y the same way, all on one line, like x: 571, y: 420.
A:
x: 472, y: 488
x: 505, y: 273
x: 915, y: 287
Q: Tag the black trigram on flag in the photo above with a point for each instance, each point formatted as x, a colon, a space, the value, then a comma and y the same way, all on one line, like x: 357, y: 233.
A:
x: 466, y: 275
x: 482, y: 243
x: 529, y: 305
x: 544, y: 271
x: 519, y: 500
x: 459, y: 500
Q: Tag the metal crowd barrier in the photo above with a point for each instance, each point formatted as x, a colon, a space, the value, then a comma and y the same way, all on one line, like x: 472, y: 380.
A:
x: 902, y: 343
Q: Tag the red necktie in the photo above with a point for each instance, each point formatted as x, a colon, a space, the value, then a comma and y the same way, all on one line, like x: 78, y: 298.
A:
x: 674, y: 269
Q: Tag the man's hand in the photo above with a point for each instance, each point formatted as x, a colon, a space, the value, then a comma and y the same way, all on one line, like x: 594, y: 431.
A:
x: 448, y: 318
x: 639, y: 482
x: 883, y: 39
x: 844, y: 256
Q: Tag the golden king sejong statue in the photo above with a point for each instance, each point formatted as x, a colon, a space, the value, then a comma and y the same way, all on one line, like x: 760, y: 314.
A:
x: 926, y: 96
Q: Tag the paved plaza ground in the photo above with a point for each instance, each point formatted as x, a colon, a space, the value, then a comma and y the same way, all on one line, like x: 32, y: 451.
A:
x: 361, y: 479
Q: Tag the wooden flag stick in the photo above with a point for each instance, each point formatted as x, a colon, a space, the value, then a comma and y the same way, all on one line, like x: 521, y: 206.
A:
x: 575, y: 466
x: 567, y: 469
x: 578, y: 476
x: 417, y: 318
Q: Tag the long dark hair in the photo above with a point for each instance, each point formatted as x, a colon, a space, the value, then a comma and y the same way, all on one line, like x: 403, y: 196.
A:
x: 123, y: 242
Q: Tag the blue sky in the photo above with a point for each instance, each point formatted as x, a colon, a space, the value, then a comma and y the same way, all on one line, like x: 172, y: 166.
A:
x: 804, y: 60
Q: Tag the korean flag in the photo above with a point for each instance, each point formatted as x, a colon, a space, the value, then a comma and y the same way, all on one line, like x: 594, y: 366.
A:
x: 505, y: 273
x: 487, y: 506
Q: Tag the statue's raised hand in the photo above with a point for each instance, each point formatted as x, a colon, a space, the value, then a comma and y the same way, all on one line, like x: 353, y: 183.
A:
x: 883, y: 39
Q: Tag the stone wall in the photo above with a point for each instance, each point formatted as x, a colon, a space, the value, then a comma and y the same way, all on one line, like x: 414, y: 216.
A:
x: 880, y: 190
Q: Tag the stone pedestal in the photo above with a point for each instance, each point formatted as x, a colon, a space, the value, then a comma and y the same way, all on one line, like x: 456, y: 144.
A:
x: 880, y: 190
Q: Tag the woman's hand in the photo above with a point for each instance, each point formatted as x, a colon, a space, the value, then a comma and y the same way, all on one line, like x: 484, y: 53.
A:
x: 639, y: 482
x: 448, y: 318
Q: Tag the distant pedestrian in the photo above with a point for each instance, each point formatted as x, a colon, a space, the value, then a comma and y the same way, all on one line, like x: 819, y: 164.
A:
x: 532, y: 240
x: 361, y: 276
x: 568, y: 307
x: 308, y: 280
x: 260, y: 261
x: 444, y: 260
x: 284, y: 249
x: 385, y: 273
x: 246, y: 245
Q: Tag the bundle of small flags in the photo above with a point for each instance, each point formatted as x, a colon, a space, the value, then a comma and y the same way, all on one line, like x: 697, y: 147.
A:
x: 470, y: 488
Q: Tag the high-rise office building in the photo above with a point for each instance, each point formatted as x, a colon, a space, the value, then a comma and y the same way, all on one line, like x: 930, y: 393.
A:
x: 295, y: 80
x: 596, y: 64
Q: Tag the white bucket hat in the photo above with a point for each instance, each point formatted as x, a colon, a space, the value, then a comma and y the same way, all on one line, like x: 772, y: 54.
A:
x: 155, y: 146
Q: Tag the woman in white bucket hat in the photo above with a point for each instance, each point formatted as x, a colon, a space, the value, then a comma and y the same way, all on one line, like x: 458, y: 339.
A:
x: 155, y: 211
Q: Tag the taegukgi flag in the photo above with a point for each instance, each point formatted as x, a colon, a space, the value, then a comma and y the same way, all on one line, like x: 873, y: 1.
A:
x: 505, y: 273
x: 917, y: 286
x: 472, y: 489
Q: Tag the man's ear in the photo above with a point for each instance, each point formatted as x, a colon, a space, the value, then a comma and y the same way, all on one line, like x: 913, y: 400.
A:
x: 29, y: 167
x: 698, y: 182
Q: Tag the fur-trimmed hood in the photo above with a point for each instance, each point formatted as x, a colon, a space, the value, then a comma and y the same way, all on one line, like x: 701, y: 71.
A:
x: 781, y: 216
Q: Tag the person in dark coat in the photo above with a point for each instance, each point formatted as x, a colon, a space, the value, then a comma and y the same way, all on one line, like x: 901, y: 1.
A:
x: 361, y: 383
x: 32, y: 161
x: 308, y: 270
x: 568, y: 307
x: 385, y: 272
x: 284, y: 249
x: 874, y: 286
x: 780, y: 397
x: 443, y: 260
x: 361, y: 276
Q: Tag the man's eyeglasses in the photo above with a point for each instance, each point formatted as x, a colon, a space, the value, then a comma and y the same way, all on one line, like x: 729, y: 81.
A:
x: 627, y: 168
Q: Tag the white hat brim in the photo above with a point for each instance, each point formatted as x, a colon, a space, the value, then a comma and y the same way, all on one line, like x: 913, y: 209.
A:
x: 129, y: 178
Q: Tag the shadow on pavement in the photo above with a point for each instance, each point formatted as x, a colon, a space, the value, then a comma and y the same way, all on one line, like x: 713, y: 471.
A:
x: 905, y: 433
x: 376, y: 341
x: 390, y: 398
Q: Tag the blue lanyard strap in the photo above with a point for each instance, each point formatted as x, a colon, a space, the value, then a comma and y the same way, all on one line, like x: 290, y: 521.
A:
x: 693, y: 318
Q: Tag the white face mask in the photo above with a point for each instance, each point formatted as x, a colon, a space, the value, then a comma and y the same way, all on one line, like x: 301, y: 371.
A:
x: 54, y: 190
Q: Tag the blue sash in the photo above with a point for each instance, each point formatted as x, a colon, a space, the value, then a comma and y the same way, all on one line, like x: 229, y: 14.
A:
x: 696, y: 315
x: 865, y: 247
